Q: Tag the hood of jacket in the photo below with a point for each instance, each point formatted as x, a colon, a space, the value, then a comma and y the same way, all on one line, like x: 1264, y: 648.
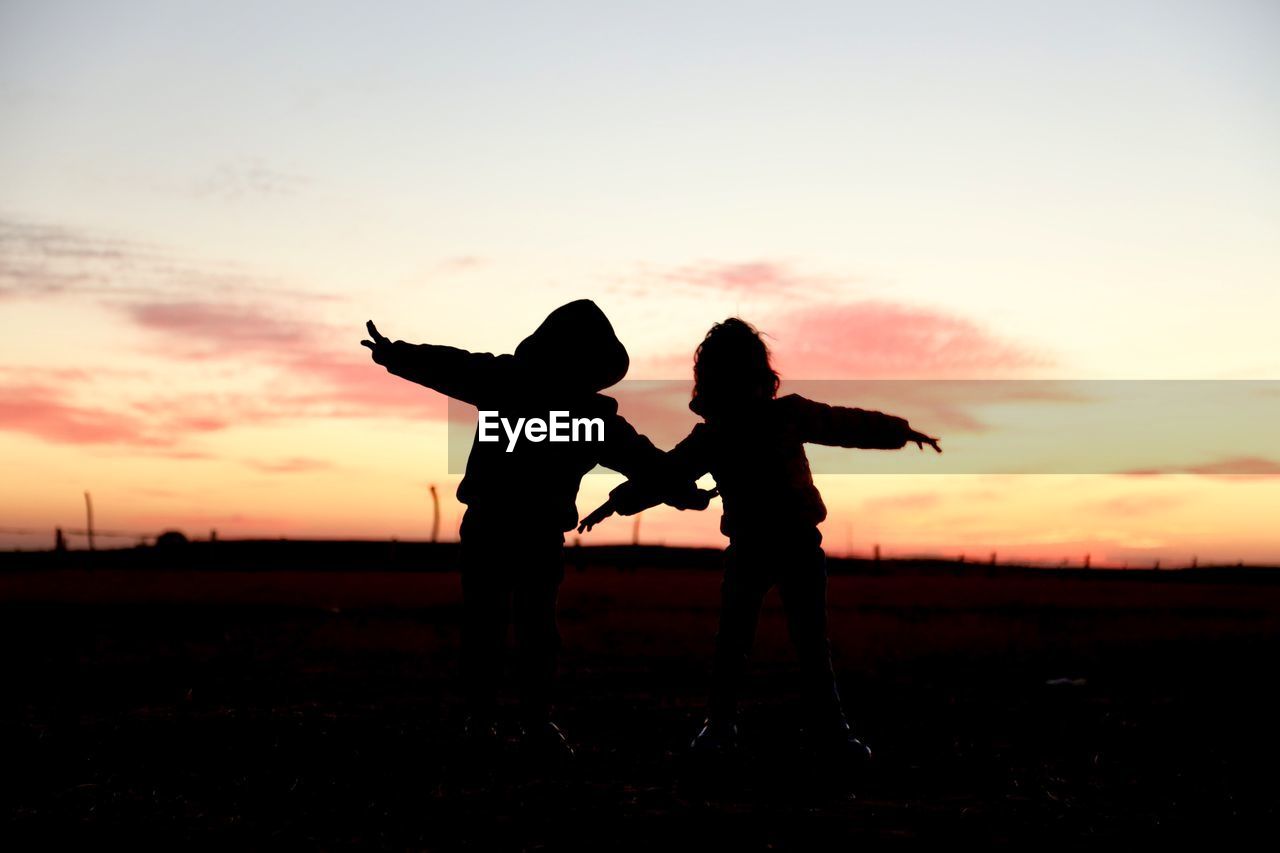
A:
x: 575, y: 348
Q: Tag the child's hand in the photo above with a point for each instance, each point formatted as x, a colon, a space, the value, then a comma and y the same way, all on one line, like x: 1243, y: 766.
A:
x: 597, y: 515
x: 920, y: 440
x: 694, y: 499
x: 380, y: 346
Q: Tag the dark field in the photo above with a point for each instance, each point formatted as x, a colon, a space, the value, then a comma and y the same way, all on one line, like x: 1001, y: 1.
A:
x: 316, y: 707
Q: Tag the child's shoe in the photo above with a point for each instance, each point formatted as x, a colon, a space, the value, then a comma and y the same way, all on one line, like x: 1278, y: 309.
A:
x: 716, y: 737
x: 835, y: 741
x: 542, y: 741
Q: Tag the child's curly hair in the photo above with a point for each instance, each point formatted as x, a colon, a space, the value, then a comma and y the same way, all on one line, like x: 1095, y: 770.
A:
x: 730, y: 367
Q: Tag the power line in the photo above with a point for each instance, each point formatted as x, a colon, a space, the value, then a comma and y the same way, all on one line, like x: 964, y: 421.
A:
x: 118, y: 534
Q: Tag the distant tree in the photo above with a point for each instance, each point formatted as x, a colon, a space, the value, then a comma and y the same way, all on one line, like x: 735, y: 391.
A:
x: 171, y: 539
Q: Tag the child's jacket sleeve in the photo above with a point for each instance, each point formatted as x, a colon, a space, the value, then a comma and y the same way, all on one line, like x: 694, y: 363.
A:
x: 672, y: 480
x: 627, y: 451
x: 841, y: 426
x: 457, y: 373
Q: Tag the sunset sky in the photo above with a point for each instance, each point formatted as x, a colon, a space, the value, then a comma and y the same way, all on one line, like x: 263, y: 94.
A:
x: 203, y: 202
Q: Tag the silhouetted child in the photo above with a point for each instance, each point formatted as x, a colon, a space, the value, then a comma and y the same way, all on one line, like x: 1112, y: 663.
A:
x: 521, y: 498
x: 752, y: 443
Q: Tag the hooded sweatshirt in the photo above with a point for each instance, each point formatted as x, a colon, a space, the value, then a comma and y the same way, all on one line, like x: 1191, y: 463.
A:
x: 562, y: 366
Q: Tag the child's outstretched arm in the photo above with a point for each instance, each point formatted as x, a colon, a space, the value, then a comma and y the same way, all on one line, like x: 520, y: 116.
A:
x: 842, y: 426
x: 631, y: 501
x: 453, y: 372
x: 669, y: 478
x: 596, y: 516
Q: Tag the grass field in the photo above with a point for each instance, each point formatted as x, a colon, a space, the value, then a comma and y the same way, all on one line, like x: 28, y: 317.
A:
x: 225, y: 706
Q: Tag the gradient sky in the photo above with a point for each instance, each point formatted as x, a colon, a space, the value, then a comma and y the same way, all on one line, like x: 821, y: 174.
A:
x: 202, y: 203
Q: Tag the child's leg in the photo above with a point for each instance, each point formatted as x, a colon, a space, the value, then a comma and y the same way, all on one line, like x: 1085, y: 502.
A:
x: 804, y: 598
x: 537, y: 636
x: 486, y: 598
x: 741, y: 596
x: 485, y: 602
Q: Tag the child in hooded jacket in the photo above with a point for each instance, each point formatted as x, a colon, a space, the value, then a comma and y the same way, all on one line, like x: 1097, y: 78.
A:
x: 752, y: 443
x: 521, y: 501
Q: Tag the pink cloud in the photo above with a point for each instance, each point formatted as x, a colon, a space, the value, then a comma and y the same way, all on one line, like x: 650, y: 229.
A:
x: 182, y: 454
x: 49, y: 407
x: 752, y: 277
x: 314, y: 376
x: 313, y: 368
x: 912, y: 501
x: 292, y: 465
x: 350, y: 385
x: 49, y: 410
x: 873, y: 340
x: 1138, y: 505
x: 883, y: 340
x: 840, y: 353
x: 45, y: 412
x: 461, y: 263
x: 1239, y: 465
x: 206, y: 329
x: 1236, y: 467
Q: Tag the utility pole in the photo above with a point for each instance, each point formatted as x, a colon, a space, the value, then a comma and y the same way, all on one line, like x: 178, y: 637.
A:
x: 88, y: 511
x: 635, y: 531
x: 435, y: 514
